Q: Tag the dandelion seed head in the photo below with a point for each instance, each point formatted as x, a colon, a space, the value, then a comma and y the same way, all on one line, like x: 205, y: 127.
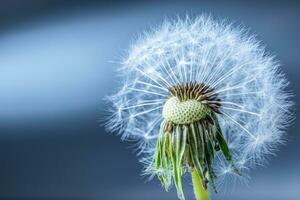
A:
x: 255, y: 107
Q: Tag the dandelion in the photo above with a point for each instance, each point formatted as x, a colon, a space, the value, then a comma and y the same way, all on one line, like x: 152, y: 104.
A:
x: 201, y: 97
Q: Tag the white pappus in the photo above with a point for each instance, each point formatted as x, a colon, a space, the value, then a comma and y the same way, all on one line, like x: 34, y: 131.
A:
x: 242, y: 87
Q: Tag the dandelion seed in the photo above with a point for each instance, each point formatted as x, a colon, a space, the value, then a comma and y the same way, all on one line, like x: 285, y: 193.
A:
x: 203, y: 97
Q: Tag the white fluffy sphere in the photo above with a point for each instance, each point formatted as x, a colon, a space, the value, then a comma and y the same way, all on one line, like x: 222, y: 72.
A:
x: 255, y: 107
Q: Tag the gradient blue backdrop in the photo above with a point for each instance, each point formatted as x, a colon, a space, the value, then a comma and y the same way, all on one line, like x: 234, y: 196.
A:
x: 57, y: 62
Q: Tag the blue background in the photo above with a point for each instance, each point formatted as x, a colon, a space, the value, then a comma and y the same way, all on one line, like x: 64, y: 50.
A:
x: 57, y: 62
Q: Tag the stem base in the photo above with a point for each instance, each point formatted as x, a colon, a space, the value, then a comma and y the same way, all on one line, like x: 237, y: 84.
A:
x: 199, y: 191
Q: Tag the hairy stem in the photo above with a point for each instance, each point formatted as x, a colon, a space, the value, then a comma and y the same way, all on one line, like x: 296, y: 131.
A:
x: 199, y: 191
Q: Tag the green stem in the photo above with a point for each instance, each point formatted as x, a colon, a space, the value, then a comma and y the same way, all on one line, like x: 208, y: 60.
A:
x: 199, y: 191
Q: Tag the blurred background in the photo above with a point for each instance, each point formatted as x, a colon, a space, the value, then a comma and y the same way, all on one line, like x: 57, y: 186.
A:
x: 57, y: 62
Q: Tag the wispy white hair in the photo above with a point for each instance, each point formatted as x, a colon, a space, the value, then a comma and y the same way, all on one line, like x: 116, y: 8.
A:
x: 255, y: 106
